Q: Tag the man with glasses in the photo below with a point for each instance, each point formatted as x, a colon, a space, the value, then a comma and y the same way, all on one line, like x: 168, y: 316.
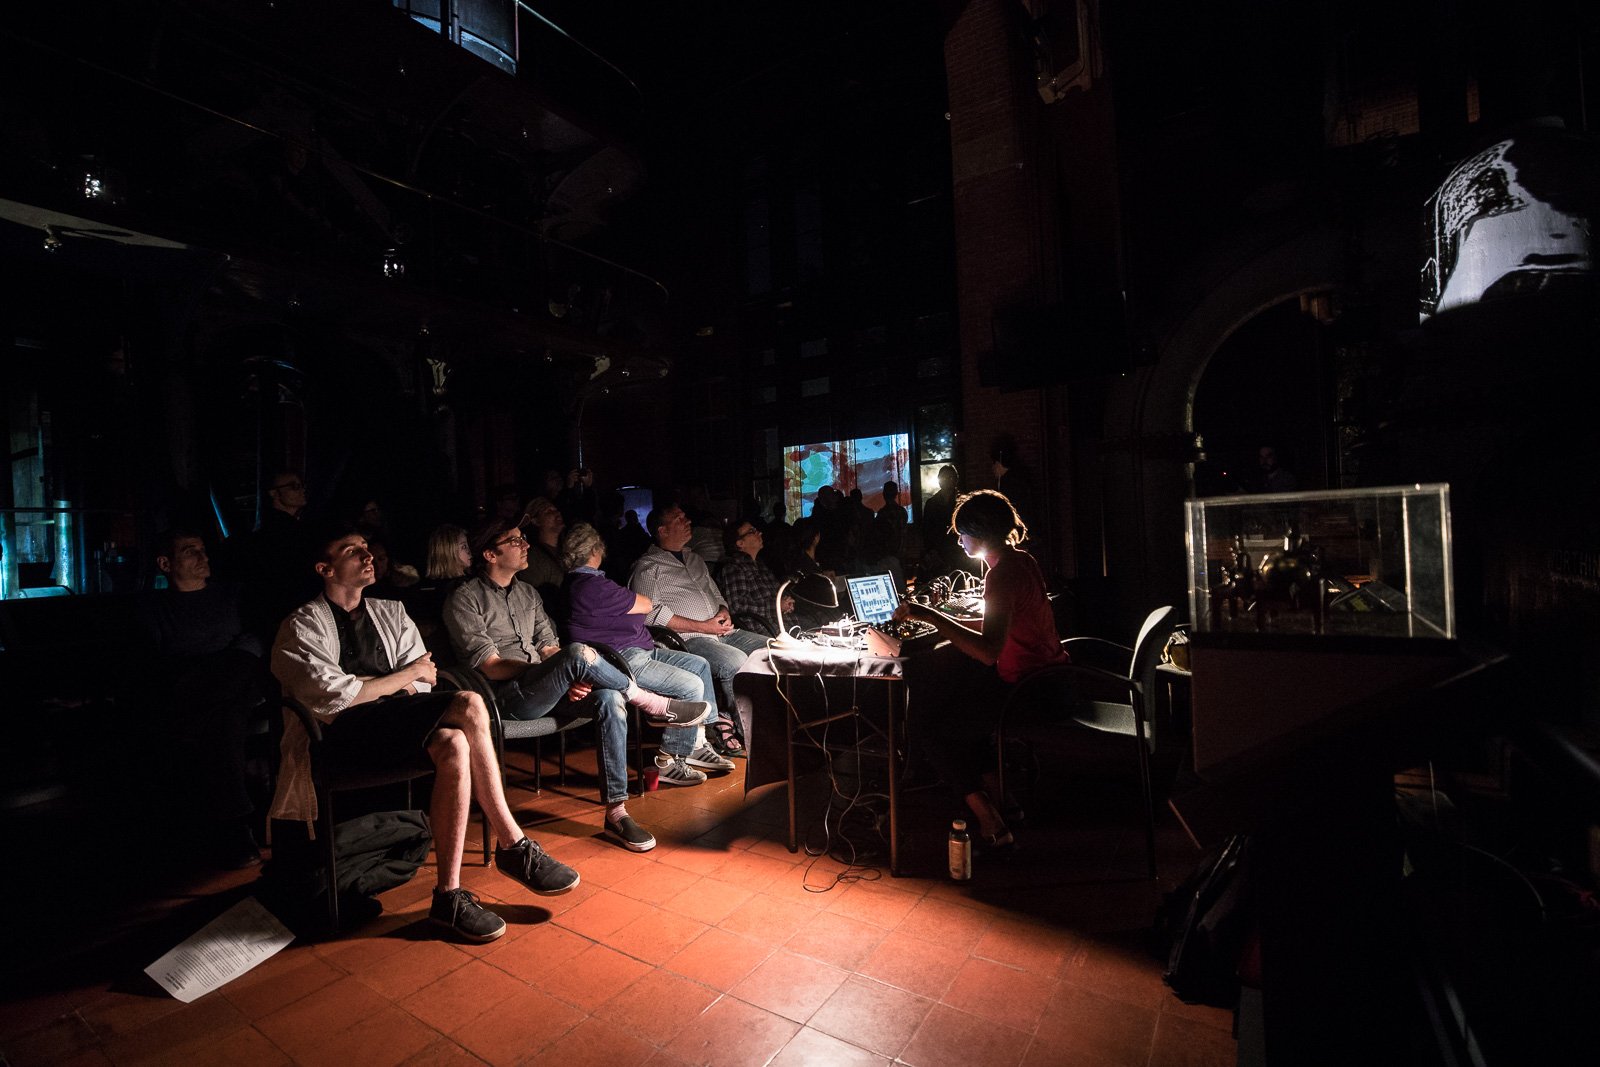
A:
x: 746, y: 582
x: 499, y: 626
x: 361, y: 668
x: 685, y: 599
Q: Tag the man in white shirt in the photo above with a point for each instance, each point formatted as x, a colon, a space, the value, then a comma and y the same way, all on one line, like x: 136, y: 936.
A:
x: 361, y: 668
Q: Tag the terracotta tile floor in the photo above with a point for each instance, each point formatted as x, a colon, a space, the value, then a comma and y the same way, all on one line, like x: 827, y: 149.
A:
x: 720, y: 947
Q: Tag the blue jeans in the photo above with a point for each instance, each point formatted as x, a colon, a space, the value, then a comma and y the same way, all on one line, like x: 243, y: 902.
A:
x: 679, y: 675
x: 672, y: 674
x: 544, y: 685
x: 726, y: 654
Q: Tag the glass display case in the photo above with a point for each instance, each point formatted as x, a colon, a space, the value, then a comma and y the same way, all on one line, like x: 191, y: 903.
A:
x: 1357, y: 562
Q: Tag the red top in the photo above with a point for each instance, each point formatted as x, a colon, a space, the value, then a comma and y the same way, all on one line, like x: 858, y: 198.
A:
x: 1031, y: 641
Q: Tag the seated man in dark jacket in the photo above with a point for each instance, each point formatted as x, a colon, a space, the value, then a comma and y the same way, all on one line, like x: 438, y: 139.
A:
x: 208, y: 679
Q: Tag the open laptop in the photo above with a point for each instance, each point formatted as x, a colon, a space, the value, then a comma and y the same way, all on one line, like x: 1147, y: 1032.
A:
x: 873, y: 598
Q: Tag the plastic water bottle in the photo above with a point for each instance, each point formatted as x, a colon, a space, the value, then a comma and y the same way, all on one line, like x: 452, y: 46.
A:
x: 960, y: 852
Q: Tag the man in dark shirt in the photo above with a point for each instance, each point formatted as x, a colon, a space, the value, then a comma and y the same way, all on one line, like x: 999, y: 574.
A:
x: 208, y: 679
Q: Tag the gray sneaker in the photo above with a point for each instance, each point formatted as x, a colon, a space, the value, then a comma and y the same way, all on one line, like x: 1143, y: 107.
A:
x: 706, y: 758
x: 459, y: 910
x: 535, y: 868
x: 681, y: 713
x: 675, y: 770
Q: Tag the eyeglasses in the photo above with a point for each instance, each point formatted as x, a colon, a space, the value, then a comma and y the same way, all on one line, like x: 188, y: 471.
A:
x: 289, y: 485
x: 742, y: 534
x: 512, y: 542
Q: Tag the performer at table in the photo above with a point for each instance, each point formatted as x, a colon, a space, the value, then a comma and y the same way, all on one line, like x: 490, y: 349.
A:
x: 957, y: 690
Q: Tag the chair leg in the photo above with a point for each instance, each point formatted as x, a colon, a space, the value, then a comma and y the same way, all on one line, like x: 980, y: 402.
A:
x: 1000, y: 762
x: 1149, y: 796
x: 561, y: 756
x: 330, y: 858
x: 638, y: 753
x: 538, y: 765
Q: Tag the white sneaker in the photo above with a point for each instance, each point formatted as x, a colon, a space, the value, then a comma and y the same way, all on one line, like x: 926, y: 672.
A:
x: 707, y: 758
x: 675, y: 770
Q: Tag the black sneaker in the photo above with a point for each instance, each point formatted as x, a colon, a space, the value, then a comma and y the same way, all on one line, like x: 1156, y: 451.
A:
x: 535, y: 868
x: 630, y: 834
x: 459, y: 910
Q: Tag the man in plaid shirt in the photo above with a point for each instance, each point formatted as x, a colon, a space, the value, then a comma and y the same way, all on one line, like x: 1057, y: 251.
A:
x: 747, y: 584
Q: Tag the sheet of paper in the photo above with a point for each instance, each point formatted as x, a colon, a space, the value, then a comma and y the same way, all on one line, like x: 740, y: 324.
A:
x: 220, y: 951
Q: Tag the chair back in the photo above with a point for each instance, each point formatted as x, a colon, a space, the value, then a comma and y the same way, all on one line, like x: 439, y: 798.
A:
x: 1158, y: 626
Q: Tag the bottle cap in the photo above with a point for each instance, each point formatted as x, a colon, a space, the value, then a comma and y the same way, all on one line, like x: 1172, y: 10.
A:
x: 959, y: 824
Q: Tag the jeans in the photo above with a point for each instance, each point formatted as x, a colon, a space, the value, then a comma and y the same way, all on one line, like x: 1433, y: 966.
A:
x: 679, y: 675
x: 725, y: 654
x: 672, y: 674
x: 544, y: 685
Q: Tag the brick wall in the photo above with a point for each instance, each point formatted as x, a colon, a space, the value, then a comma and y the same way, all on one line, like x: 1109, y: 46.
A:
x: 1002, y: 257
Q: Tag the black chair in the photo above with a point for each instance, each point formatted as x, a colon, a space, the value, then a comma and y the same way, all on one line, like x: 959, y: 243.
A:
x: 749, y: 620
x: 667, y: 637
x: 1131, y: 719
x: 329, y: 777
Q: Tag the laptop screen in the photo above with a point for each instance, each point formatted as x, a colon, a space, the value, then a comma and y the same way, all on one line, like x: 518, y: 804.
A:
x: 873, y: 598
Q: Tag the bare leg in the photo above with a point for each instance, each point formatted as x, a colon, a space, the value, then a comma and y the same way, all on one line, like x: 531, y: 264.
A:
x: 448, y: 812
x: 468, y: 715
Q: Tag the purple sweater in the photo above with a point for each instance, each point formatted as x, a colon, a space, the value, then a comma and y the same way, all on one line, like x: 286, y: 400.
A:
x: 599, y: 611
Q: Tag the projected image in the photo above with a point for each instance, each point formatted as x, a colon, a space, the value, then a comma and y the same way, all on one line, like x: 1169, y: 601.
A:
x: 867, y: 462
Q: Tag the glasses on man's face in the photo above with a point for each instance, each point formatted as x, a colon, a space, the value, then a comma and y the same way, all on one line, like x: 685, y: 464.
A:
x: 512, y: 542
x: 745, y: 533
x: 296, y: 486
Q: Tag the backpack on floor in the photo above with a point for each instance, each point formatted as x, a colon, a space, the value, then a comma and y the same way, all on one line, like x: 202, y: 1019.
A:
x: 1204, y: 923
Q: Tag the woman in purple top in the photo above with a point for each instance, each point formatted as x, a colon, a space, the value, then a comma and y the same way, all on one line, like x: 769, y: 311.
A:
x: 600, y: 610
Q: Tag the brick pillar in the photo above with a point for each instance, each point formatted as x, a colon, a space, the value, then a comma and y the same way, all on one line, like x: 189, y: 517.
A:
x: 1004, y: 237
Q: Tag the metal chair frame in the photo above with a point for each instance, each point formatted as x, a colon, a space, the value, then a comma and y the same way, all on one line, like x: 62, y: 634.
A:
x: 1130, y: 720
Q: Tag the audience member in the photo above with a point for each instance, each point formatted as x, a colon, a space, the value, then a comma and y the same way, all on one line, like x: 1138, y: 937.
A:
x: 893, y: 518
x: 623, y: 550
x: 545, y: 572
x: 747, y: 583
x: 275, y: 578
x: 449, y: 555
x: 706, y: 532
x: 803, y: 549
x: 833, y: 549
x: 879, y: 557
x: 603, y: 611
x: 578, y: 501
x: 506, y: 503
x: 1275, y: 478
x: 940, y: 553
x: 359, y: 666
x: 206, y: 676
x: 499, y: 627
x: 1012, y: 481
x: 391, y: 577
x: 684, y: 598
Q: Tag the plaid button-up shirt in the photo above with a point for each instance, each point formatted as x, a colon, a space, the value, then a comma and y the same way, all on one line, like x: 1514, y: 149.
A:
x: 749, y: 586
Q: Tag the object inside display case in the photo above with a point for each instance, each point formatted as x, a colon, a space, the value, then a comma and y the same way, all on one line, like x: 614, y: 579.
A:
x: 1367, y: 562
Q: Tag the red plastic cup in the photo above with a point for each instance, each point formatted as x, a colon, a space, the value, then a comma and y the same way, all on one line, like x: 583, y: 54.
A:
x: 652, y: 779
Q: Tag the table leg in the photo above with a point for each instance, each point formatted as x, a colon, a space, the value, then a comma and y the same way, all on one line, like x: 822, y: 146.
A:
x: 789, y: 727
x: 894, y: 690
